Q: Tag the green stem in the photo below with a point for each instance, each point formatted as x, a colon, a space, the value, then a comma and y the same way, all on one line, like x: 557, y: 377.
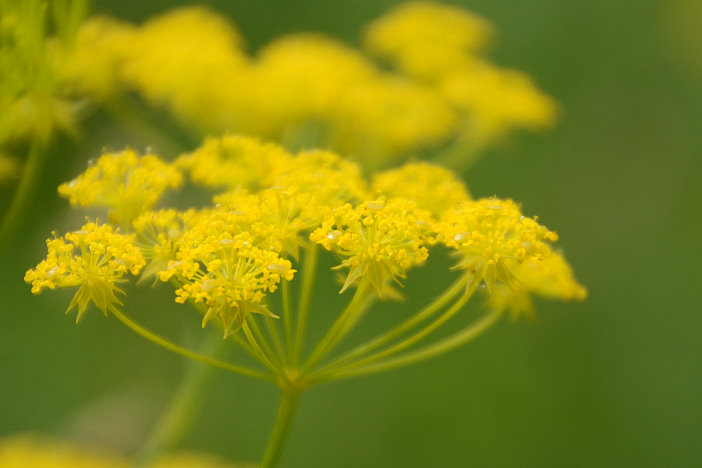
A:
x: 456, y: 288
x: 281, y: 429
x: 287, y: 318
x: 181, y: 410
x: 151, y: 336
x: 19, y: 206
x: 453, y: 341
x: 457, y: 306
x: 263, y: 342
x: 272, y: 326
x: 309, y: 270
x: 262, y: 356
x: 348, y: 318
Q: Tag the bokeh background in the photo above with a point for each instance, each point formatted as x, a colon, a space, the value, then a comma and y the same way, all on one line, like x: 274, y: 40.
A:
x: 614, y: 381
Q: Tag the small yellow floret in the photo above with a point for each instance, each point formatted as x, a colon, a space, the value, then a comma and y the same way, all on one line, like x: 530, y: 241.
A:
x: 426, y: 39
x: 432, y: 187
x: 377, y: 240
x: 550, y: 277
x: 492, y: 238
x: 95, y: 259
x: 234, y: 161
x: 158, y: 233
x: 222, y: 266
x: 126, y: 183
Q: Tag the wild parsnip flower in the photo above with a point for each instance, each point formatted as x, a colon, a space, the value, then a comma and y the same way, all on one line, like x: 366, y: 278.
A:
x: 377, y: 240
x: 324, y: 179
x: 157, y: 234
x: 309, y: 90
x: 274, y: 216
x: 492, y: 238
x: 382, y: 120
x: 95, y: 259
x: 426, y: 39
x: 299, y: 79
x: 234, y: 161
x: 94, y: 66
x: 494, y: 100
x: 550, y: 277
x: 430, y: 186
x: 188, y: 59
x: 125, y: 182
x: 227, y: 272
x: 34, y: 451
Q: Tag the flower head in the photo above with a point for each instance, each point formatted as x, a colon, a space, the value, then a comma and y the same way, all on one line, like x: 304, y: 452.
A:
x: 187, y: 59
x: 425, y: 39
x: 95, y: 259
x: 234, y: 161
x: 494, y: 100
x: 223, y: 264
x: 378, y: 241
x: 126, y: 183
x: 432, y: 187
x: 492, y: 237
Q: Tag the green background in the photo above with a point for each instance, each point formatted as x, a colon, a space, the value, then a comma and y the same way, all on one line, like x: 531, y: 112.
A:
x: 614, y: 381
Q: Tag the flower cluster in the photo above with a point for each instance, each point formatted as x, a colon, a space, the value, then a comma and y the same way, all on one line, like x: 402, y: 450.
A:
x: 230, y: 255
x: 35, y: 451
x: 307, y: 90
x: 125, y: 183
x: 96, y: 258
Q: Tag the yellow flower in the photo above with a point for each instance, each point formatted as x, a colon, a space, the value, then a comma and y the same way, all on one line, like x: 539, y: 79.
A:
x: 432, y: 187
x: 95, y: 65
x: 220, y: 263
x: 95, y: 259
x: 495, y: 100
x: 377, y: 240
x: 126, y: 183
x: 492, y: 238
x: 158, y: 233
x: 188, y: 59
x: 33, y: 451
x: 383, y: 119
x: 298, y: 79
x: 426, y: 39
x: 550, y: 277
x: 324, y: 179
x: 234, y: 161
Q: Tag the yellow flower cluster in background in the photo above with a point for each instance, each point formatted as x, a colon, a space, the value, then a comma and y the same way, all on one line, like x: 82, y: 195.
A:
x: 33, y: 451
x: 232, y: 254
x: 307, y: 90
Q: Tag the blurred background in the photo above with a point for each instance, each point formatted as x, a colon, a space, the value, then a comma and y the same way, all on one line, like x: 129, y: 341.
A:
x: 613, y: 381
